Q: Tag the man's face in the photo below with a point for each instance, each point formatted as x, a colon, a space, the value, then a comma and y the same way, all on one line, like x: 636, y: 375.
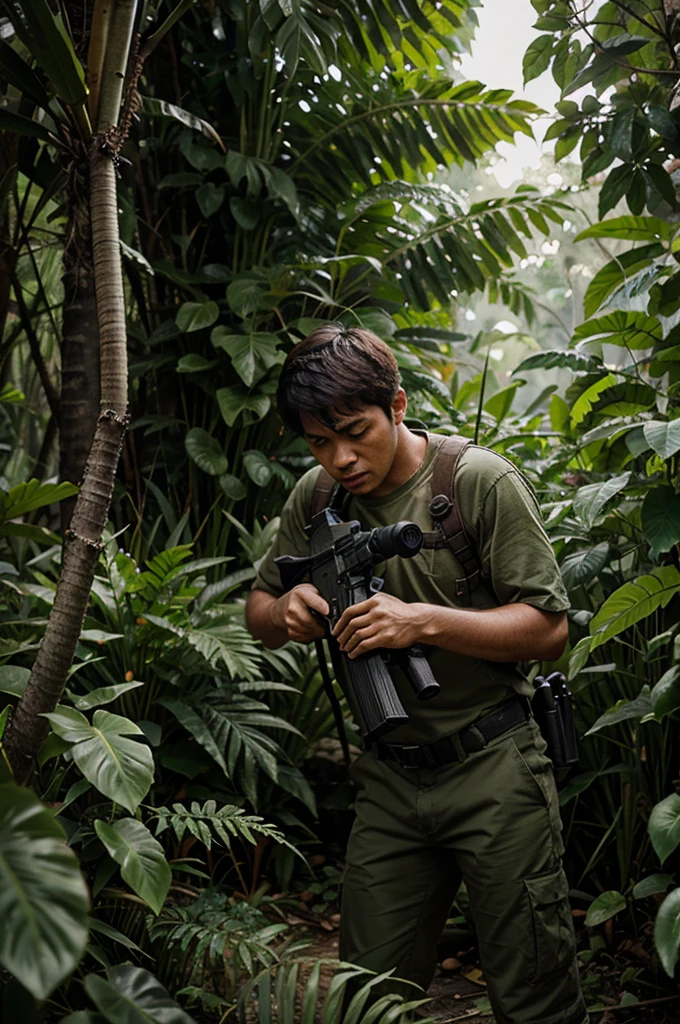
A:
x: 360, y: 450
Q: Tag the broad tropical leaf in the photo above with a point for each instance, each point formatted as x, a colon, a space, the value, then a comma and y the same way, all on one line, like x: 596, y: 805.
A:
x: 665, y: 695
x: 591, y: 499
x: 43, y: 897
x: 667, y: 931
x: 606, y: 906
x: 132, y: 995
x: 664, y: 826
x: 14, y: 679
x: 663, y: 437
x: 632, y: 602
x: 206, y: 451
x: 580, y: 567
x: 625, y: 710
x: 120, y: 768
x: 661, y: 519
x: 141, y: 859
x: 32, y: 495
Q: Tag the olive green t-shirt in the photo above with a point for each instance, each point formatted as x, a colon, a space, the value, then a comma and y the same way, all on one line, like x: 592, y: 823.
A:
x: 503, y: 518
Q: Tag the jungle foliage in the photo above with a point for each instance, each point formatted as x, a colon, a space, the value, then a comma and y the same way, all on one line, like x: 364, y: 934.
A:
x: 279, y: 166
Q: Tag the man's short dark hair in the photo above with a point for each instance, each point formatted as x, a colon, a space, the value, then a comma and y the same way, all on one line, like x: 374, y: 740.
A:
x: 334, y: 371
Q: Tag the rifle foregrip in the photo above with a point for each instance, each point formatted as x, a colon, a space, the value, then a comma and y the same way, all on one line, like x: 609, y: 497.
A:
x: 420, y: 675
x: 380, y: 707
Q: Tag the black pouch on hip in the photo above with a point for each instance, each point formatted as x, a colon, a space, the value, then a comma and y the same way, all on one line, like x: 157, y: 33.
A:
x: 552, y: 709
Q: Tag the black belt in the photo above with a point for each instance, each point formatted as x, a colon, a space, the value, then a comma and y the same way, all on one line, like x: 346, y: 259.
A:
x: 455, y: 748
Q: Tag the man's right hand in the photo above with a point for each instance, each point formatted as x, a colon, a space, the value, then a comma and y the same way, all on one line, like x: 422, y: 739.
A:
x: 293, y: 613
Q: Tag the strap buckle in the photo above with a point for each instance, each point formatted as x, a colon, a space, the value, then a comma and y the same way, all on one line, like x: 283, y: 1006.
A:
x: 407, y: 756
x: 440, y: 506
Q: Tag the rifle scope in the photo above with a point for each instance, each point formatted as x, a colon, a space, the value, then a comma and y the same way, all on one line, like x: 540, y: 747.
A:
x: 403, y: 539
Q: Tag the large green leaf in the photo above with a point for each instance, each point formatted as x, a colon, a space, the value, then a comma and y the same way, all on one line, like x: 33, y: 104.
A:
x: 252, y: 354
x: 652, y: 885
x: 617, y: 272
x: 632, y: 602
x: 627, y: 328
x: 664, y: 826
x: 195, y: 316
x: 120, y: 768
x: 43, y: 898
x: 209, y: 198
x: 258, y: 467
x: 624, y: 711
x: 19, y: 74
x: 14, y: 679
x: 247, y: 294
x: 161, y: 108
x: 663, y: 436
x: 20, y: 125
x: 667, y: 931
x: 103, y: 695
x: 591, y: 499
x: 47, y: 39
x: 235, y: 401
x: 666, y: 693
x: 141, y: 859
x: 606, y: 906
x: 661, y: 519
x: 206, y: 451
x: 580, y: 567
x: 500, y: 403
x: 32, y: 495
x: 630, y: 229
x: 133, y: 996
x: 538, y: 56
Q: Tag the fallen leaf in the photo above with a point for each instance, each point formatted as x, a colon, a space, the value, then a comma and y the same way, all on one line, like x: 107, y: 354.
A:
x: 474, y: 975
x: 450, y: 964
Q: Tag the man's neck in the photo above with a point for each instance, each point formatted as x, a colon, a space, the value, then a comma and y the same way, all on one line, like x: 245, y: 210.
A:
x: 408, y: 459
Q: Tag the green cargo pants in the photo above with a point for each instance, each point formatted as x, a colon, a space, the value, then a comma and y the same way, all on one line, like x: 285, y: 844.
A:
x: 492, y: 820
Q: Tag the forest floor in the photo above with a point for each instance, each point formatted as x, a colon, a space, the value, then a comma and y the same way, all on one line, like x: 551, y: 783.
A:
x: 458, y: 994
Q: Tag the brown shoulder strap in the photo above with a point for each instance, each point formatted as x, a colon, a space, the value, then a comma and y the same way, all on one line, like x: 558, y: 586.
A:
x: 450, y: 529
x: 323, y: 492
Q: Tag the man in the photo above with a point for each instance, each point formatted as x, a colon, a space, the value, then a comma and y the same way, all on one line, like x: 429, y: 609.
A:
x: 477, y: 799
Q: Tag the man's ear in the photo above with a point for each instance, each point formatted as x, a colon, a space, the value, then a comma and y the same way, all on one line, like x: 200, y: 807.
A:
x: 399, y: 407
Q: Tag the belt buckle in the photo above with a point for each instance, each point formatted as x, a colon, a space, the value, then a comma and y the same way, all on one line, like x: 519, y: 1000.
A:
x: 402, y: 758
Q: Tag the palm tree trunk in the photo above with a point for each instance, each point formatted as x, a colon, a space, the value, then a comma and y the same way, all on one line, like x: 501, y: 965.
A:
x: 27, y: 729
x: 79, y: 400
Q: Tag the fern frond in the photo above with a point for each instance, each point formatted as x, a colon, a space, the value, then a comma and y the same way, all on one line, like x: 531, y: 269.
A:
x: 208, y: 824
x: 289, y: 1002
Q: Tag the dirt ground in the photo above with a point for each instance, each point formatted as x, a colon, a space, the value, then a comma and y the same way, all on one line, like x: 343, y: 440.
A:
x: 459, y: 993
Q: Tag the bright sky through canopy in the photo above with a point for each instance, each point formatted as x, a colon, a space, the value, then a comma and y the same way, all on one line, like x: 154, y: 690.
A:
x: 505, y: 31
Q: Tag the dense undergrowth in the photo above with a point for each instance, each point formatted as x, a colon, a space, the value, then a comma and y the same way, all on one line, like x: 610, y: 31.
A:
x: 284, y: 170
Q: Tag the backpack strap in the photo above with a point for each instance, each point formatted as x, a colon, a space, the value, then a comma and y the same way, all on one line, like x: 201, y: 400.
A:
x: 450, y: 530
x: 325, y: 492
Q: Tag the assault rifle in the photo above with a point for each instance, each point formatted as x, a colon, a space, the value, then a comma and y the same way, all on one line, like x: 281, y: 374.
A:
x: 340, y: 565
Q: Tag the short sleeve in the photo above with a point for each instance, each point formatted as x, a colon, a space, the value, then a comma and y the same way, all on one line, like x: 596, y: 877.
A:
x: 516, y: 554
x: 291, y: 538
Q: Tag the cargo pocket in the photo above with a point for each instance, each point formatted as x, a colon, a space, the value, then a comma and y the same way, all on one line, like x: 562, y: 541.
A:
x: 553, y: 930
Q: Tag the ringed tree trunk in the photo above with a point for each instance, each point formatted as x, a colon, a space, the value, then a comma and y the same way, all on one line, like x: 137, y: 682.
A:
x: 79, y: 398
x: 27, y: 729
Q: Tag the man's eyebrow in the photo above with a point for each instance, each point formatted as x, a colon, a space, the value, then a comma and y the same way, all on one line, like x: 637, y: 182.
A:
x: 337, y: 430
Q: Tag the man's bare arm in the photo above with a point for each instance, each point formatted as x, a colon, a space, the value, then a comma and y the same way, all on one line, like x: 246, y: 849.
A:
x: 275, y: 620
x: 512, y: 632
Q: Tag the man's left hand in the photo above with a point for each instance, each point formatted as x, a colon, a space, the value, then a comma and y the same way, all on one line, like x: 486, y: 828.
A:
x: 380, y: 621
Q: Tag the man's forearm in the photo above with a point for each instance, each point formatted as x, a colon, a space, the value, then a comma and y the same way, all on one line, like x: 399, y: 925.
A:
x: 513, y: 632
x: 262, y: 621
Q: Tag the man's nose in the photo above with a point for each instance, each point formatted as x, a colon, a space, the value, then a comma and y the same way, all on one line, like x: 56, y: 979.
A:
x: 343, y: 456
